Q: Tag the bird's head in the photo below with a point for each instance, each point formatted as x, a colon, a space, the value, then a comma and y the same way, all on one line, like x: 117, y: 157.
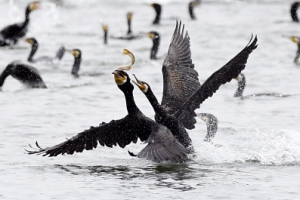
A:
x: 34, y: 5
x: 105, y: 27
x: 129, y: 15
x: 31, y: 41
x: 153, y: 34
x: 295, y: 39
x: 144, y: 87
x: 75, y: 52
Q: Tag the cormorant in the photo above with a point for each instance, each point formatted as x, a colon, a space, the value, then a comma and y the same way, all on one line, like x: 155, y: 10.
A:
x: 293, y: 11
x: 297, y: 41
x: 155, y: 37
x: 162, y: 146
x: 76, y: 66
x: 191, y: 7
x: 182, y: 92
x: 105, y: 30
x: 241, y: 87
x: 26, y: 74
x: 157, y: 8
x: 211, y: 123
x: 129, y: 35
x: 34, y: 47
x: 12, y: 33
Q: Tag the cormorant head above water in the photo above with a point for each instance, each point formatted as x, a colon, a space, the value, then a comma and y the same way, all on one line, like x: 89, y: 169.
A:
x: 191, y: 7
x: 293, y: 11
x: 12, y: 33
x: 105, y: 30
x: 296, y: 40
x: 155, y: 37
x: 157, y: 8
x: 26, y: 74
x: 77, y: 60
x: 34, y: 47
x: 129, y: 18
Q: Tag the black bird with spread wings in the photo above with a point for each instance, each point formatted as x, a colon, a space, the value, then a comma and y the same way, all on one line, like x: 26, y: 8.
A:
x: 162, y: 146
x: 12, y: 33
x: 182, y: 92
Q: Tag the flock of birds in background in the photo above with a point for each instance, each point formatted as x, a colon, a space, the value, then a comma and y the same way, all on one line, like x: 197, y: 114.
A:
x: 167, y: 136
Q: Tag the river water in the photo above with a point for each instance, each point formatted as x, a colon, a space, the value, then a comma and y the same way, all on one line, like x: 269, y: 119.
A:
x: 254, y: 155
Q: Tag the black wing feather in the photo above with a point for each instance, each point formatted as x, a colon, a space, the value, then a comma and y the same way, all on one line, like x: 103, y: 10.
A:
x: 179, y: 76
x: 121, y: 132
x: 223, y: 75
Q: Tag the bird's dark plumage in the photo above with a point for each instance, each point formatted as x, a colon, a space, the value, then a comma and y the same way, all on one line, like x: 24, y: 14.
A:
x: 34, y: 47
x: 191, y: 7
x: 26, y: 74
x: 155, y: 37
x: 225, y: 74
x: 293, y: 11
x: 180, y: 79
x: 157, y: 8
x: 12, y: 33
x: 162, y: 146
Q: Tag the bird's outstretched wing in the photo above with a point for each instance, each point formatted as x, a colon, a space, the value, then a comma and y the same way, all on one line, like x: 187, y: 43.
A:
x: 121, y: 132
x: 179, y: 76
x: 223, y: 75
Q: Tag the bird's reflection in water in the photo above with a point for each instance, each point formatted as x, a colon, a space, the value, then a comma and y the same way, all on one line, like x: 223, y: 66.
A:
x: 170, y: 175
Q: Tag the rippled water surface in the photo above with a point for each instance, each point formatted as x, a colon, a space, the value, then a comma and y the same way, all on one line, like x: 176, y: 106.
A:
x: 254, y: 155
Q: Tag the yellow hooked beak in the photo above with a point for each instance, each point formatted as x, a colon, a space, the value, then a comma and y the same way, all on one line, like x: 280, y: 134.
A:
x: 75, y: 53
x: 151, y: 35
x: 119, y: 79
x: 294, y: 39
x: 34, y: 5
x: 139, y: 83
x: 29, y: 41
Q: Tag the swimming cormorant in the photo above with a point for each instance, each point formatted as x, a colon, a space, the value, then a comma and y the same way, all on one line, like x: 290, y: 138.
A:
x: 162, y: 146
x: 12, y: 33
x: 297, y: 41
x: 105, y: 30
x: 155, y: 37
x: 34, y: 47
x: 26, y: 74
x: 191, y: 7
x: 77, y: 62
x: 211, y: 124
x: 241, y: 87
x: 129, y: 35
x: 157, y: 8
x: 293, y: 11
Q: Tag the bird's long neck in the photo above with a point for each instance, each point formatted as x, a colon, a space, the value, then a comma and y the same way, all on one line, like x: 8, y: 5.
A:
x: 154, y: 48
x: 26, y: 21
x: 158, y: 14
x: 34, y: 48
x: 293, y: 12
x: 241, y: 87
x: 191, y: 10
x: 105, y: 37
x: 4, y: 75
x: 76, y: 67
x: 158, y: 109
x: 130, y: 103
x: 129, y: 26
